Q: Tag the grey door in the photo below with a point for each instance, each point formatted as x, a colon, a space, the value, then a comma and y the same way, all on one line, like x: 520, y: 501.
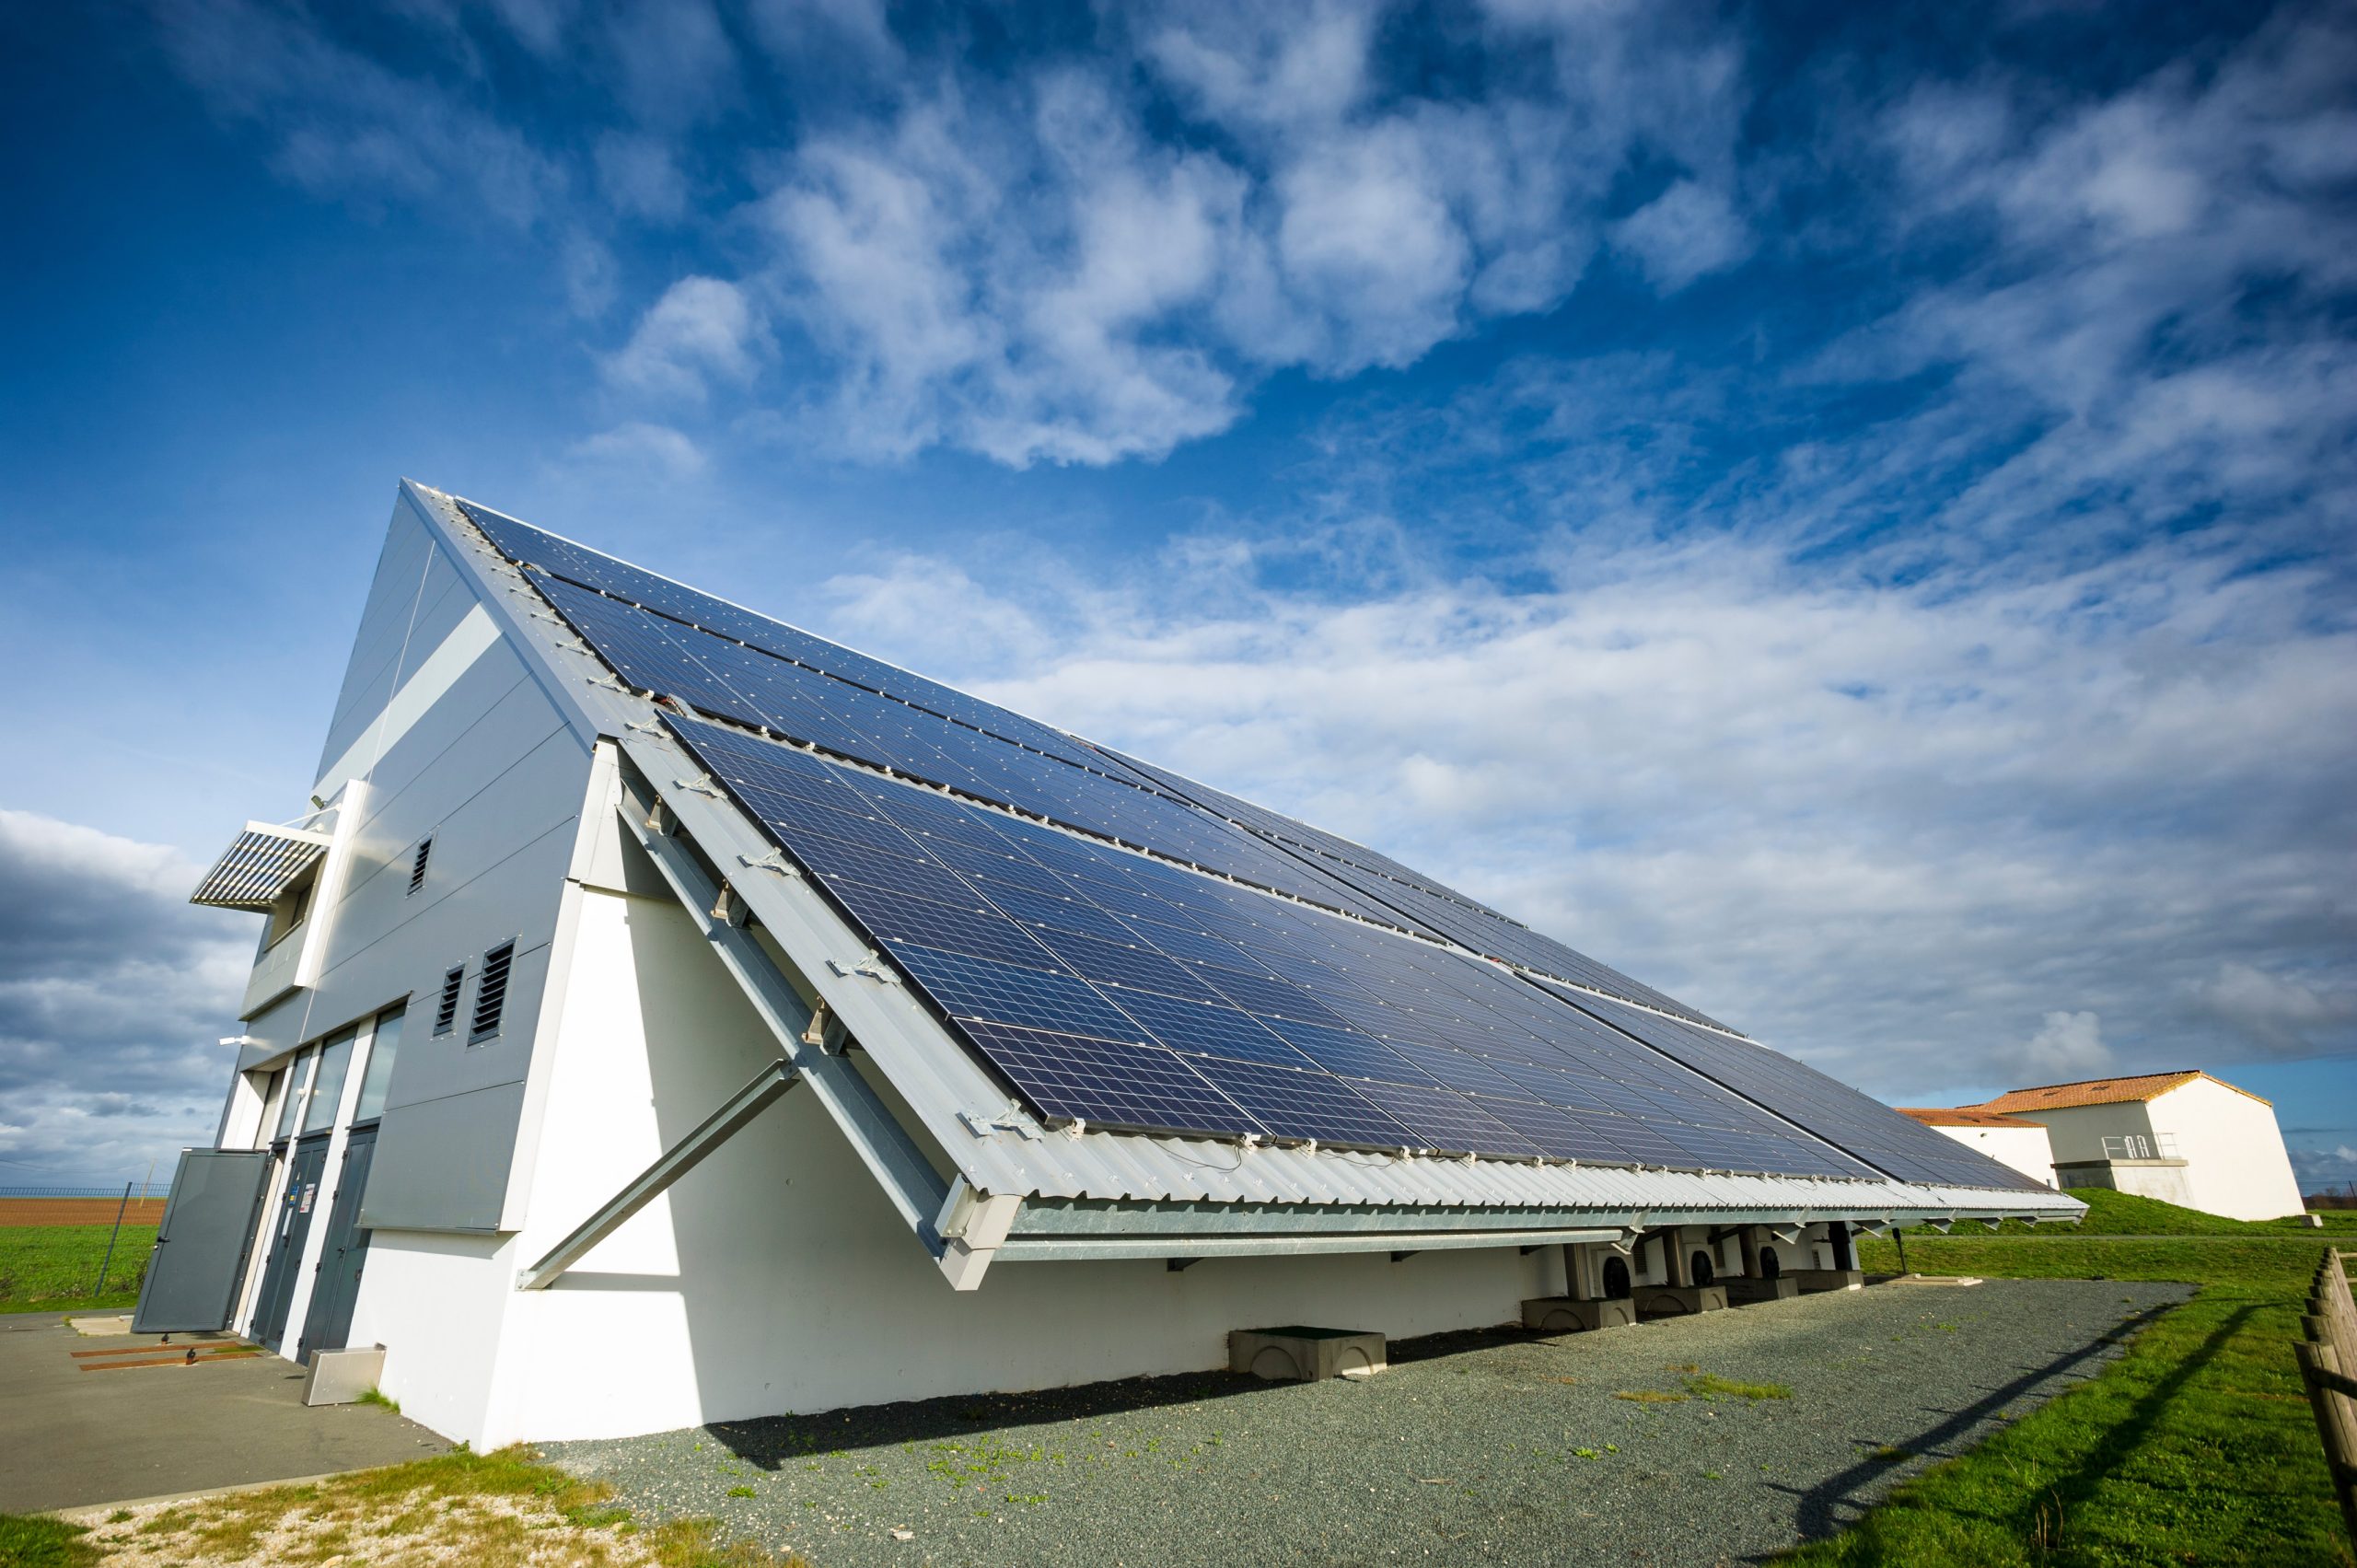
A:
x: 328, y: 1322
x: 291, y: 1228
x: 202, y: 1247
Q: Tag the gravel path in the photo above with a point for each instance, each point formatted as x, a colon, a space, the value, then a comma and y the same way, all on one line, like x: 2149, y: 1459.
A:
x: 1496, y: 1447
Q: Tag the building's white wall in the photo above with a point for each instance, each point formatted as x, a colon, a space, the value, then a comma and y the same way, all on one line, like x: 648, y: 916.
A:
x: 2235, y: 1162
x: 775, y: 1277
x: 2027, y: 1149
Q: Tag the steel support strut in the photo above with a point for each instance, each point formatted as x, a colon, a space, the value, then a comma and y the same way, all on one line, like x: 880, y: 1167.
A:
x: 768, y: 1084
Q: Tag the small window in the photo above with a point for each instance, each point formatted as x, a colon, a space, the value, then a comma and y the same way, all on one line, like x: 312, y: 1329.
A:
x: 289, y: 909
x: 446, y: 1013
x: 417, y: 865
x: 491, y: 994
x: 298, y: 1077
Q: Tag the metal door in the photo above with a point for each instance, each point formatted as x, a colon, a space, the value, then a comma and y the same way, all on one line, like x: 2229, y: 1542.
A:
x: 342, y: 1255
x: 292, y: 1228
x: 202, y: 1247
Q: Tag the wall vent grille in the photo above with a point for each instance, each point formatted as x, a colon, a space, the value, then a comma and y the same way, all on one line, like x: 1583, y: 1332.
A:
x: 446, y: 1013
x: 491, y: 994
x: 417, y: 867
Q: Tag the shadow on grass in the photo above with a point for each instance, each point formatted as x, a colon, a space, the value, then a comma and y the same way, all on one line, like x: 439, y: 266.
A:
x: 1819, y: 1514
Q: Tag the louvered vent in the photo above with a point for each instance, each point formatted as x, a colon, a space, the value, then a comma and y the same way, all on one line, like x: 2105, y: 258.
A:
x: 491, y: 994
x: 446, y: 1016
x: 417, y: 867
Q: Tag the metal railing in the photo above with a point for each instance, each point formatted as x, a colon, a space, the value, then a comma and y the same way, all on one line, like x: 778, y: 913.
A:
x: 2326, y: 1361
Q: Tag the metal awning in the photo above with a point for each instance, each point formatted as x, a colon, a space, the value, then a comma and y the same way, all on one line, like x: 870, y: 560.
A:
x: 261, y: 862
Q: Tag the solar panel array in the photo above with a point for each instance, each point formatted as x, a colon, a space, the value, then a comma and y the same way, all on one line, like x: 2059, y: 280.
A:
x: 1118, y: 988
x: 1110, y: 987
x: 1860, y: 1125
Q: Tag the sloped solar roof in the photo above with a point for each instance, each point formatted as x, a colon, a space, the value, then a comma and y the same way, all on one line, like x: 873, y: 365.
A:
x: 1129, y: 949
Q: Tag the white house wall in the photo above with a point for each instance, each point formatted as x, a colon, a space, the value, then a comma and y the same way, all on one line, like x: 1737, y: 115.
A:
x: 2027, y: 1149
x: 777, y: 1277
x: 2076, y: 1132
x: 2236, y: 1163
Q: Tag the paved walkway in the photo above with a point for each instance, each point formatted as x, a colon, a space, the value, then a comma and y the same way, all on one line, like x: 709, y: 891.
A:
x: 69, y: 1438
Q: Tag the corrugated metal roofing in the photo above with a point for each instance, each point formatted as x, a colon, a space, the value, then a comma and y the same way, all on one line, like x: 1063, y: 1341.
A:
x: 261, y: 862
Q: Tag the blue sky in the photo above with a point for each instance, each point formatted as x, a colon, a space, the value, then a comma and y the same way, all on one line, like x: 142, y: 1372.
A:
x: 1843, y: 513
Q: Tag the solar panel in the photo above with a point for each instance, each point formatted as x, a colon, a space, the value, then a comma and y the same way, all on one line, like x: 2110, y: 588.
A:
x: 1125, y: 991
x: 1865, y: 1127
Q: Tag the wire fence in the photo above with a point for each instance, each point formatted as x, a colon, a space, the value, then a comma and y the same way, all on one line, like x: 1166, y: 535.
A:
x: 112, y: 1191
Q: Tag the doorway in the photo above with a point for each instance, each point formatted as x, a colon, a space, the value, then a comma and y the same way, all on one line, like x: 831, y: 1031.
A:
x: 342, y: 1255
x: 294, y: 1227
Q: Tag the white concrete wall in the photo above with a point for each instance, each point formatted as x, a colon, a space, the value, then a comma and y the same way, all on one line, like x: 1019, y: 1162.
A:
x: 2236, y: 1163
x: 2027, y: 1149
x: 775, y: 1277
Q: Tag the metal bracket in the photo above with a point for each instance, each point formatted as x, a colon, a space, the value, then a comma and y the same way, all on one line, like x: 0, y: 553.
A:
x: 610, y: 683
x: 981, y: 1124
x: 730, y: 908
x: 871, y: 965
x: 772, y: 861
x: 700, y: 784
x: 661, y: 820
x: 821, y: 1017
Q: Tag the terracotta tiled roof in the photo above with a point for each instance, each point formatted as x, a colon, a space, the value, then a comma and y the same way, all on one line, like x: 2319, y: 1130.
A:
x: 2101, y: 1091
x: 1964, y: 1116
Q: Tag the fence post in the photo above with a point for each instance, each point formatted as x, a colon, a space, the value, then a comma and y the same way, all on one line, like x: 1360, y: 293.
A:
x: 109, y: 1260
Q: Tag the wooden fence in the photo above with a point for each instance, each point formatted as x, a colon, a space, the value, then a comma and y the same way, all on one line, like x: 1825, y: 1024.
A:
x: 2327, y: 1363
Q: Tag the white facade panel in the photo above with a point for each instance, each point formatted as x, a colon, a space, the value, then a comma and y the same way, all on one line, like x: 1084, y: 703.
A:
x: 2026, y: 1149
x: 2235, y: 1162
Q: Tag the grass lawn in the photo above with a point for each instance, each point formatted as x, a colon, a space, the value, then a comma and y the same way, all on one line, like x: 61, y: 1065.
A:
x: 2196, y: 1446
x: 50, y: 1267
x: 498, y: 1510
x: 2124, y: 1213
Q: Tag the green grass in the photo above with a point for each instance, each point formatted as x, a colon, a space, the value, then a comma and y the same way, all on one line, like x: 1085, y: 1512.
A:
x: 2195, y: 1447
x: 2124, y: 1213
x: 43, y: 1543
x: 50, y: 1267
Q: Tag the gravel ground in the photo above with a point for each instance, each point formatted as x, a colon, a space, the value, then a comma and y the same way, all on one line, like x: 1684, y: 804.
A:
x: 1492, y: 1446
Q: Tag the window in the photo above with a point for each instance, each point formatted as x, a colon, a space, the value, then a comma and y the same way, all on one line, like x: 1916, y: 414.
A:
x: 298, y: 1075
x: 417, y: 867
x: 446, y: 1012
x: 379, y: 1075
x: 491, y: 991
x: 286, y: 912
x: 327, y: 1084
x: 271, y: 1088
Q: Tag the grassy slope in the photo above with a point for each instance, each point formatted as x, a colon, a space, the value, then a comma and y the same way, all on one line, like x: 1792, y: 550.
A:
x: 43, y: 1543
x: 2123, y: 1214
x: 2196, y: 1446
x: 45, y: 1268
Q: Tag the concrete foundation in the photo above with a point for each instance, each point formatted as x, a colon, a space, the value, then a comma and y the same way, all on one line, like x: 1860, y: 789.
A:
x: 1744, y: 1291
x: 1306, y: 1355
x: 1815, y: 1279
x: 1560, y: 1313
x: 1680, y: 1300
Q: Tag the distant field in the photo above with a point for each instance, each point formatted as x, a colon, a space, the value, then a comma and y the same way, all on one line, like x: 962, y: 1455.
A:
x: 52, y: 1267
x: 78, y: 1211
x: 2196, y: 1446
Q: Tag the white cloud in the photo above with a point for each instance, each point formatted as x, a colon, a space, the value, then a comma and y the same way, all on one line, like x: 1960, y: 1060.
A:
x: 112, y: 992
x: 1682, y: 234
x: 655, y: 450
x: 700, y: 330
x: 639, y: 175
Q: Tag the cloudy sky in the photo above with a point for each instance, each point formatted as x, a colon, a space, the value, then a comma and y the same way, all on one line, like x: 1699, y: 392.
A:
x: 1844, y: 514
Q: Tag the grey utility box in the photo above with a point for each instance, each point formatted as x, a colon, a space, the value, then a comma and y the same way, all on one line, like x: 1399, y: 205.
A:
x: 1560, y: 1313
x: 1745, y: 1291
x: 1813, y: 1280
x: 339, y: 1376
x: 1669, y: 1300
x: 1297, y: 1353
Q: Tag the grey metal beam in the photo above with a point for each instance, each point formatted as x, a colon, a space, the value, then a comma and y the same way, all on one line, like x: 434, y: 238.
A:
x: 768, y: 1084
x: 1036, y: 1250
x: 1053, y: 1218
x: 915, y: 1188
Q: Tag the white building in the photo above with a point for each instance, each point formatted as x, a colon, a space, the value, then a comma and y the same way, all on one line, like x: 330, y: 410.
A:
x: 2185, y: 1138
x: 2010, y: 1140
x: 550, y: 941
